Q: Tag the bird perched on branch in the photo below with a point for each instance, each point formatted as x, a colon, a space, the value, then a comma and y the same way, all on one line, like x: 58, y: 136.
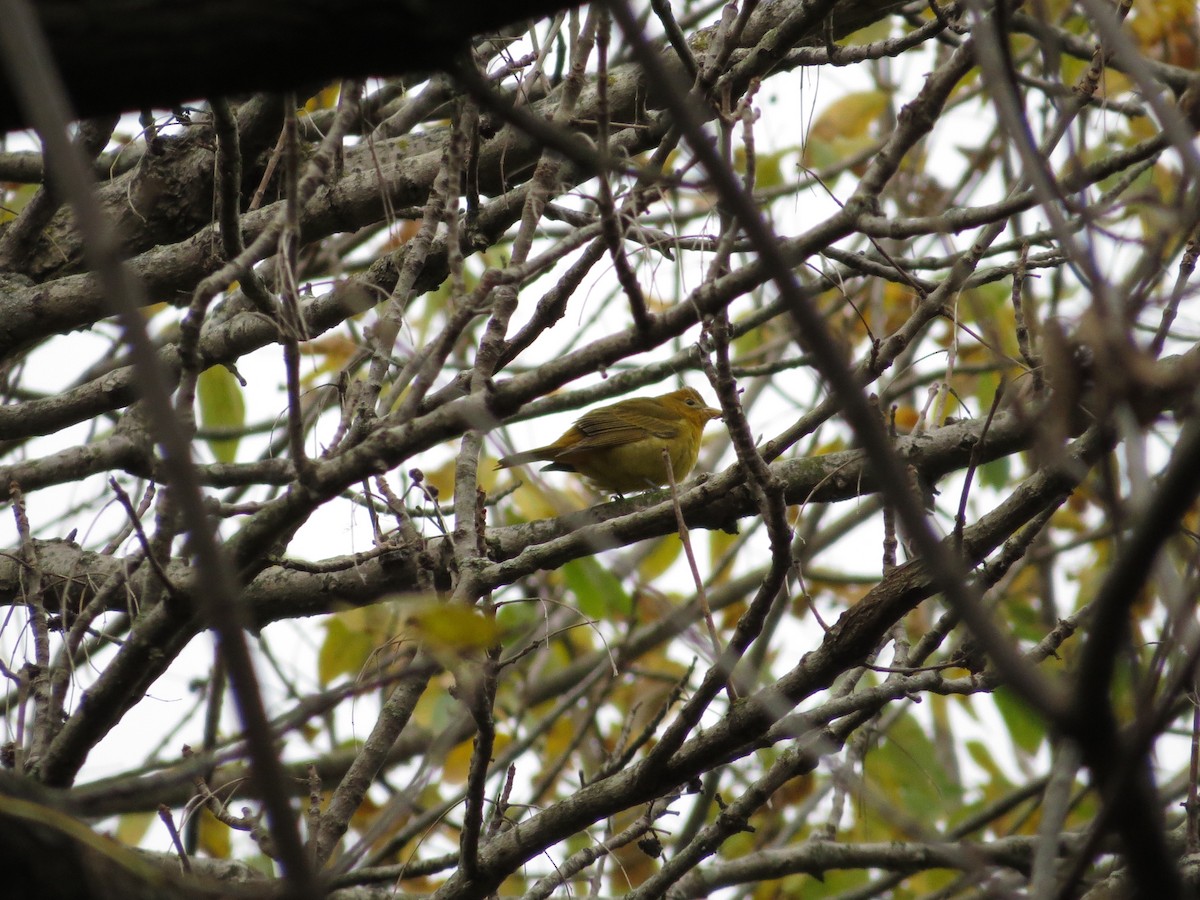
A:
x: 619, y: 448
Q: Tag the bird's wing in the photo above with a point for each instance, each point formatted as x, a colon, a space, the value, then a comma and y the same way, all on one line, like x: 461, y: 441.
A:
x: 632, y: 422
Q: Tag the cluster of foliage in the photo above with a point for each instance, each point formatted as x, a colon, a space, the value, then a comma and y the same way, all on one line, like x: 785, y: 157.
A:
x: 921, y: 626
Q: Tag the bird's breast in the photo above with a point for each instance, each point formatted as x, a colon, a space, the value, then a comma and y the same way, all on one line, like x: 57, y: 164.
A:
x: 637, y: 465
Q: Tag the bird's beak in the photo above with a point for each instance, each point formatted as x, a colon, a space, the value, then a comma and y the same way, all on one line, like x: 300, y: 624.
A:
x: 713, y: 413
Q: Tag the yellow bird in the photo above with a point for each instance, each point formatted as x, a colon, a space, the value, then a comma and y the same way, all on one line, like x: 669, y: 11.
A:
x: 619, y: 447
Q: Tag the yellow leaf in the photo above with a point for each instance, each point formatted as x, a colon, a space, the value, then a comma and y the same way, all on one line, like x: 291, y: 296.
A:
x: 132, y: 827
x: 458, y: 760
x: 364, y: 816
x: 560, y: 736
x: 326, y: 98
x: 352, y: 636
x: 533, y: 500
x: 850, y: 116
x: 221, y: 407
x: 442, y: 477
x: 12, y: 202
x: 836, y: 445
x: 332, y: 353
x: 906, y: 418
x: 214, y: 836
x: 436, y: 708
x: 453, y: 627
x: 730, y: 615
x: 660, y: 558
x: 343, y: 652
x: 768, y: 168
x: 876, y: 31
x: 719, y: 545
x: 401, y: 234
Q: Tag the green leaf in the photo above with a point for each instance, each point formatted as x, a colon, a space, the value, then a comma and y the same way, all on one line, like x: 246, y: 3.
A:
x: 981, y: 753
x: 906, y: 766
x: 598, y: 592
x: 221, y: 406
x: 996, y: 474
x: 1024, y: 726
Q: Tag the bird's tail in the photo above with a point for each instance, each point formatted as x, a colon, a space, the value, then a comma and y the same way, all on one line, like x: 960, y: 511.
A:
x: 521, y: 459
